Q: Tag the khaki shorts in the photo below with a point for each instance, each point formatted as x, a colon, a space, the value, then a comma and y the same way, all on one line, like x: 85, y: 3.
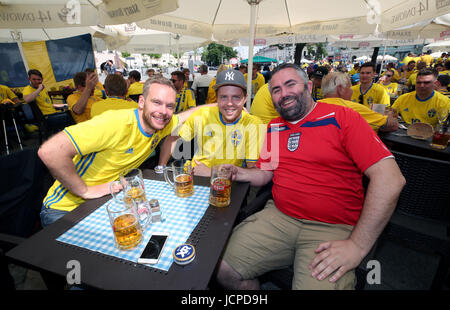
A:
x: 270, y: 240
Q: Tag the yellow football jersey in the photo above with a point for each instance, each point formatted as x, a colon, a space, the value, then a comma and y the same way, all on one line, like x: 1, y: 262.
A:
x: 106, y: 145
x: 137, y: 88
x: 185, y: 100
x: 257, y: 83
x: 43, y: 100
x: 211, y: 98
x: 112, y: 103
x: 262, y: 105
x: 6, y: 93
x: 86, y: 115
x: 391, y: 88
x: 414, y: 110
x: 219, y: 143
x: 375, y: 120
x: 99, y: 91
x: 375, y: 94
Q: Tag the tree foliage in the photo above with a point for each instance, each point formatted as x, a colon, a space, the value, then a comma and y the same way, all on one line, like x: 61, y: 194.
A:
x: 215, y: 53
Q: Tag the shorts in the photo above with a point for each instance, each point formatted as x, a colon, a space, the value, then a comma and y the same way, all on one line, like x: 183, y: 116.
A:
x: 270, y: 240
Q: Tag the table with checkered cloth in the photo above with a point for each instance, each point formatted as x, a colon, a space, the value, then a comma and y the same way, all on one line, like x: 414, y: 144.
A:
x: 181, y: 216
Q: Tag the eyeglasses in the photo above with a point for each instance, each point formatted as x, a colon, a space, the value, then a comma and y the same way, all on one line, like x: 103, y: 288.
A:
x: 361, y: 99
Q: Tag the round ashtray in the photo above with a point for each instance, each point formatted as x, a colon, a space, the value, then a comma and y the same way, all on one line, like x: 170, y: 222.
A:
x: 184, y: 254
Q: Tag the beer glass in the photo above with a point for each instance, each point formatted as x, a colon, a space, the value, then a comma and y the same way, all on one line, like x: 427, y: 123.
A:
x: 220, y: 191
x: 440, y: 138
x: 126, y: 224
x: 129, y: 187
x: 183, y: 181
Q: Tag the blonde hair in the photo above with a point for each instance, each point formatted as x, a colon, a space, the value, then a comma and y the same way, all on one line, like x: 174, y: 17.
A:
x: 221, y: 68
x: 332, y: 80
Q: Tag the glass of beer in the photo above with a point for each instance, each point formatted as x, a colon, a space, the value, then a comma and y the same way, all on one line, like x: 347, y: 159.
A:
x: 441, y: 137
x: 220, y: 191
x: 183, y: 181
x: 126, y: 224
x: 130, y: 187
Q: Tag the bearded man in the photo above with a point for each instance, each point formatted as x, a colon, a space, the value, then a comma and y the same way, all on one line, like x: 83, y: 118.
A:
x: 318, y: 221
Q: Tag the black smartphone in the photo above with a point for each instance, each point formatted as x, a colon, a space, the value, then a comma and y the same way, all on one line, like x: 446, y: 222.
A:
x: 153, y: 249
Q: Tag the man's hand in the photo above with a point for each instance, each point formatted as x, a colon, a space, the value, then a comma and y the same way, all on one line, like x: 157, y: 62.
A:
x: 340, y: 255
x: 97, y: 191
x: 201, y: 169
x: 91, y: 81
x: 41, y: 87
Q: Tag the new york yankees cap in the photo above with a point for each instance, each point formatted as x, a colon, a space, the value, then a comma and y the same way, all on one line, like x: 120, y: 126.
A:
x: 230, y: 77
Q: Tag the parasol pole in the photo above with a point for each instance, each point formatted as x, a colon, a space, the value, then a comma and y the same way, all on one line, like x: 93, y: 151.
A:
x: 17, y: 37
x: 253, y: 4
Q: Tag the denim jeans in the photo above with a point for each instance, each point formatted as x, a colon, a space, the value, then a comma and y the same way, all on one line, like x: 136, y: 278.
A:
x: 49, y: 216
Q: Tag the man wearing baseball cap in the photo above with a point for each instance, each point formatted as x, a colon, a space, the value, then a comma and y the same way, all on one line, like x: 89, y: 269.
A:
x: 316, y: 78
x: 225, y: 134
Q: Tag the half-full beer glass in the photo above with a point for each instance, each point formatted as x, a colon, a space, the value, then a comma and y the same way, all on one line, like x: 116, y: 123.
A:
x: 220, y: 191
x: 132, y: 185
x: 183, y: 181
x: 126, y: 224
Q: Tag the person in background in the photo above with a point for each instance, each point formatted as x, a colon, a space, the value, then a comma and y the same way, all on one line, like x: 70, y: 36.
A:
x: 427, y: 58
x: 243, y: 69
x: 136, y: 87
x: 99, y: 91
x: 186, y: 72
x: 442, y: 84
x: 150, y: 73
x: 368, y: 92
x: 319, y: 221
x: 422, y: 104
x: 80, y: 102
x: 203, y: 80
x: 396, y: 77
x: 411, y: 82
x: 185, y: 96
x: 211, y: 98
x: 354, y: 70
x: 446, y: 70
x: 336, y: 89
x: 116, y: 90
x: 316, y: 78
x: 386, y: 81
x: 36, y: 92
x: 257, y: 80
x: 7, y: 96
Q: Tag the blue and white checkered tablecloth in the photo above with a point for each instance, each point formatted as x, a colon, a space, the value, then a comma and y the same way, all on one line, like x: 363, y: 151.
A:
x: 181, y: 217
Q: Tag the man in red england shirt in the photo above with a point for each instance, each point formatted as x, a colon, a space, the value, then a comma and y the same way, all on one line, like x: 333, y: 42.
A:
x: 319, y: 220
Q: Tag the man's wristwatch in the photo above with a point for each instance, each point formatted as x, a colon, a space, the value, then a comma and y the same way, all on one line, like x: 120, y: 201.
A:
x: 159, y: 169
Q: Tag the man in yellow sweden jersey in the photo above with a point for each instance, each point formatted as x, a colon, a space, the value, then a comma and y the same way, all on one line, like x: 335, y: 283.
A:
x: 422, y: 104
x: 36, y: 92
x: 136, y: 87
x: 185, y: 96
x: 368, y: 92
x: 86, y: 157
x: 262, y: 105
x: 224, y: 134
x: 258, y: 80
x: 336, y: 88
x: 116, y: 89
x: 81, y: 101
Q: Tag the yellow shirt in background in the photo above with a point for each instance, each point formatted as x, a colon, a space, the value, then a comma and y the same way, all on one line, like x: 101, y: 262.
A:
x: 257, y: 83
x: 6, y: 93
x: 43, y: 100
x: 391, y: 88
x: 86, y: 115
x: 99, y: 91
x: 211, y: 98
x: 112, y: 103
x: 262, y: 105
x: 413, y: 110
x: 137, y: 88
x: 185, y: 99
x: 375, y: 94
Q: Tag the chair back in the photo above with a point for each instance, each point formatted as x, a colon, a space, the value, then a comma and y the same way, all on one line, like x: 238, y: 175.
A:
x: 135, y: 97
x: 202, y: 94
x: 427, y: 190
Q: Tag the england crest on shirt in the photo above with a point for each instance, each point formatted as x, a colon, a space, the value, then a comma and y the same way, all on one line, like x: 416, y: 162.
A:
x: 293, y: 141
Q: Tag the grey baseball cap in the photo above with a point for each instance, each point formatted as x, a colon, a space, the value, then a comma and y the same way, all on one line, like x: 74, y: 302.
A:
x: 230, y: 77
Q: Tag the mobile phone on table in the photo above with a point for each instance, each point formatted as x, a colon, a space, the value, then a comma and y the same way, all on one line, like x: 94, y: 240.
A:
x: 154, y: 248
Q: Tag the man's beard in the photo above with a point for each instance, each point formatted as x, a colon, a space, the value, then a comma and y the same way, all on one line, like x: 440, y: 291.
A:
x: 297, y: 111
x: 147, y: 118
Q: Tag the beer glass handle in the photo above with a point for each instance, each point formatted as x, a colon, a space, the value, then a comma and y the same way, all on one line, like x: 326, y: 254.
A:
x: 112, y: 188
x: 167, y: 178
x: 143, y: 207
